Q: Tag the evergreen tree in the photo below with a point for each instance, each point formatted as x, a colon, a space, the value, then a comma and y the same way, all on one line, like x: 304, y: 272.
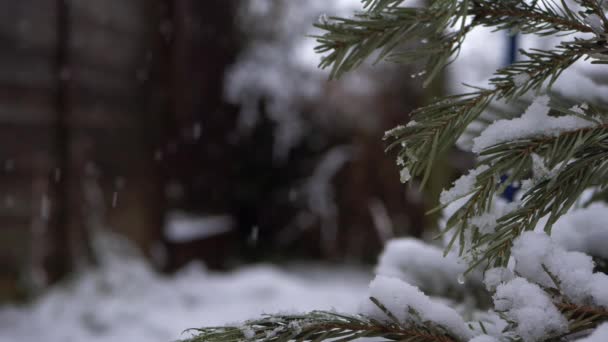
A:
x: 526, y: 270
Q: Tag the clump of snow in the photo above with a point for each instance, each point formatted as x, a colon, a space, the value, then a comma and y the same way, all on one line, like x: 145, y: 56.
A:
x: 496, y: 276
x: 486, y: 222
x: 421, y: 265
x: 538, y: 258
x: 535, y: 122
x: 539, y: 169
x: 412, y: 307
x: 600, y: 334
x: 531, y: 308
x: 404, y: 175
x: 598, y: 289
x: 584, y: 230
x: 462, y: 186
x: 521, y: 78
x: 393, y: 131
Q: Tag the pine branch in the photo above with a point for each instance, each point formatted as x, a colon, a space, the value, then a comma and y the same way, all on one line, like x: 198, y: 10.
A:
x: 529, y: 18
x: 581, y: 159
x: 580, y: 318
x: 376, y: 6
x: 384, y: 27
x: 436, y: 127
x: 325, y: 326
x: 540, y: 66
x: 318, y: 326
x: 440, y: 124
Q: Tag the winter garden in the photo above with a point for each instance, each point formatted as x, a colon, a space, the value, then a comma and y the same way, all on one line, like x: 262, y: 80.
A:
x: 519, y: 251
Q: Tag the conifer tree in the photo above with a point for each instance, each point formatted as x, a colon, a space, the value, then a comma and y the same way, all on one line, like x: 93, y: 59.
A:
x: 528, y: 270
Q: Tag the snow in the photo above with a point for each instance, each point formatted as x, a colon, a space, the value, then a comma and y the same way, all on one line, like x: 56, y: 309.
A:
x: 496, y: 276
x: 584, y: 230
x: 184, y: 227
x: 484, y: 51
x: 421, y: 265
x: 462, y: 186
x: 599, y: 335
x: 127, y: 301
x: 410, y: 306
x: 486, y: 222
x: 598, y: 289
x: 596, y: 23
x: 393, y: 132
x: 539, y: 169
x: 539, y: 258
x: 404, y: 175
x: 532, y: 309
x: 493, y: 324
x: 535, y: 122
x: 484, y: 338
x: 521, y: 78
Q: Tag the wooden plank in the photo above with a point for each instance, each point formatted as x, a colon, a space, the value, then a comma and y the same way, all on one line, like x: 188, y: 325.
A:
x: 24, y: 70
x: 105, y: 48
x: 123, y: 15
x: 31, y: 23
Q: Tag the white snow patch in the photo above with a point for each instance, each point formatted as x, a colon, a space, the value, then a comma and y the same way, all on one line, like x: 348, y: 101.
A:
x: 496, y: 276
x: 127, y: 301
x: 410, y: 306
x: 421, y: 265
x: 183, y: 227
x: 486, y: 222
x: 535, y: 122
x: 531, y: 308
x: 404, y: 175
x: 538, y: 258
x: 600, y: 334
x: 584, y: 230
x: 462, y: 186
x: 521, y: 78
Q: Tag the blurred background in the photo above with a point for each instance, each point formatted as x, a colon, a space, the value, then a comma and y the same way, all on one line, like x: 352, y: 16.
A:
x: 158, y: 157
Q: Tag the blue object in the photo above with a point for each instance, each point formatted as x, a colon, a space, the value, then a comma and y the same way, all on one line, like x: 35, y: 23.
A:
x: 511, y: 190
x: 512, y: 49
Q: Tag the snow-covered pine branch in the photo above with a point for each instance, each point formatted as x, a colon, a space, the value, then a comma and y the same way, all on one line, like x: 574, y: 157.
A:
x: 539, y: 260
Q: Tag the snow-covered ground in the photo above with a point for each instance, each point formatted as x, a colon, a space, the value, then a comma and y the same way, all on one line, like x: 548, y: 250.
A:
x: 127, y: 301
